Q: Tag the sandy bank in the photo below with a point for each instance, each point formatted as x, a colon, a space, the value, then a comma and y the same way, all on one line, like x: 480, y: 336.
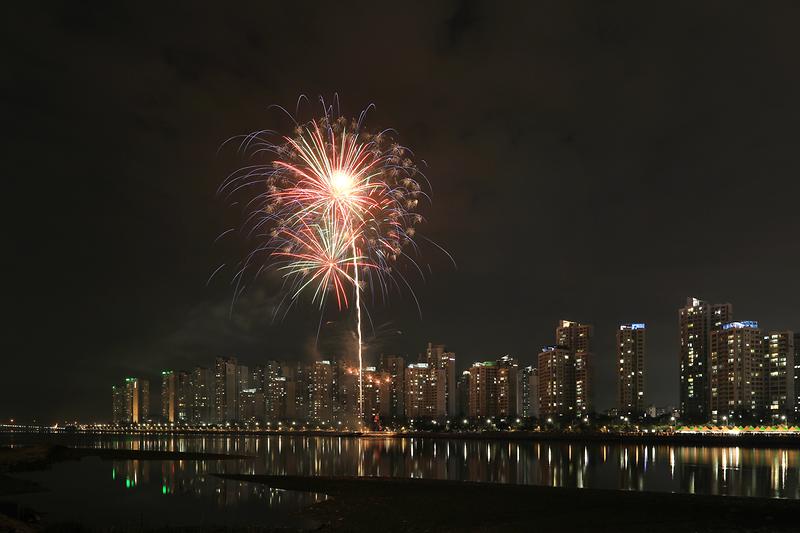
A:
x: 385, y: 504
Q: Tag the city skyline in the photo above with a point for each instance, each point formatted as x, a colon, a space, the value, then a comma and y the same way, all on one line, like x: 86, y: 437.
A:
x: 602, y: 365
x: 729, y: 370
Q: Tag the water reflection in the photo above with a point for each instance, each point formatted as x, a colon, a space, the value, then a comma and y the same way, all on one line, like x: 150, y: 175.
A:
x: 691, y: 469
x: 135, y: 495
x: 193, y: 478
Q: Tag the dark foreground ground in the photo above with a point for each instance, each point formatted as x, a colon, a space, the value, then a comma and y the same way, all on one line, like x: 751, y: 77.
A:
x: 386, y: 505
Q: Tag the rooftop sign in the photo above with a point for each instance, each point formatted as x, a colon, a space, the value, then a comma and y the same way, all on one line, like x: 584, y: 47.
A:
x: 741, y: 325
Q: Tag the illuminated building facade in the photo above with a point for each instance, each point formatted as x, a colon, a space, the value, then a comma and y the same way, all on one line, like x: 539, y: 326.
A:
x: 737, y: 377
x: 462, y: 391
x: 507, y: 386
x: 347, y: 399
x: 696, y: 322
x: 631, y: 346
x: 425, y: 392
x: 439, y: 357
x: 779, y: 361
x: 169, y: 396
x: 252, y: 406
x: 139, y: 399
x: 226, y: 390
x: 268, y: 379
x: 323, y: 383
x: 258, y: 377
x: 184, y: 396
x: 176, y: 396
x: 377, y: 394
x: 243, y: 376
x: 395, y: 366
x: 131, y: 401
x: 298, y: 390
x: 528, y: 392
x: 242, y: 383
x: 797, y: 376
x: 556, y: 370
x: 118, y: 404
x: 202, y: 395
x: 493, y: 388
x: 577, y: 338
x: 483, y: 390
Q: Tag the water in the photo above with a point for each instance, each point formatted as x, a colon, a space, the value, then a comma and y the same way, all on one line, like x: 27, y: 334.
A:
x: 183, y: 492
x: 133, y: 495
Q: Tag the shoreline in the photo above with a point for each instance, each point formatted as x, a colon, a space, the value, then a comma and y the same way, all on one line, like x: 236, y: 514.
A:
x: 42, y: 456
x: 754, y: 440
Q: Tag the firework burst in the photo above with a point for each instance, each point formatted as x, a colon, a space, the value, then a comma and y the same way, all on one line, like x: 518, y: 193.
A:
x: 321, y: 258
x: 332, y: 207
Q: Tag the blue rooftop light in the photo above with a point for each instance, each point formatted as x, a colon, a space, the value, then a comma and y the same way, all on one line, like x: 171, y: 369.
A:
x: 632, y: 326
x: 740, y: 325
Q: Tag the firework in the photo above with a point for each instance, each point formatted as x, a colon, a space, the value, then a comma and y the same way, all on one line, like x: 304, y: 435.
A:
x: 331, y: 207
x: 321, y: 258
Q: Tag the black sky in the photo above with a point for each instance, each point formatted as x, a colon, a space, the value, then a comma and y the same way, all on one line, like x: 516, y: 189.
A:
x: 596, y: 161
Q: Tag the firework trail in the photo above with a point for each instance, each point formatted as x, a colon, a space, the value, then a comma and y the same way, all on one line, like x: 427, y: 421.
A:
x: 332, y: 208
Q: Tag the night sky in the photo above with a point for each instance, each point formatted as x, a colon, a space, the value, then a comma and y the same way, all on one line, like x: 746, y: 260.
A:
x: 596, y: 161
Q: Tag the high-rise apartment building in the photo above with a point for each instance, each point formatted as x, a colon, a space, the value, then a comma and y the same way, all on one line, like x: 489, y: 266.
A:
x: 183, y: 382
x: 493, y: 388
x: 242, y: 383
x: 779, y: 372
x: 201, y: 382
x: 557, y: 391
x: 139, y: 394
x: 507, y: 386
x: 696, y: 321
x: 243, y: 376
x: 630, y: 356
x: 297, y: 385
x: 118, y: 404
x: 348, y: 394
x: 252, y: 407
x: 169, y: 396
x: 736, y: 369
x: 323, y: 384
x: 131, y: 401
x: 258, y: 378
x: 797, y: 376
x: 377, y: 394
x: 439, y: 357
x: 425, y: 391
x: 395, y: 366
x: 462, y: 390
x: 483, y: 390
x: 268, y: 378
x: 275, y: 400
x: 226, y: 390
x: 577, y: 338
x: 528, y: 392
